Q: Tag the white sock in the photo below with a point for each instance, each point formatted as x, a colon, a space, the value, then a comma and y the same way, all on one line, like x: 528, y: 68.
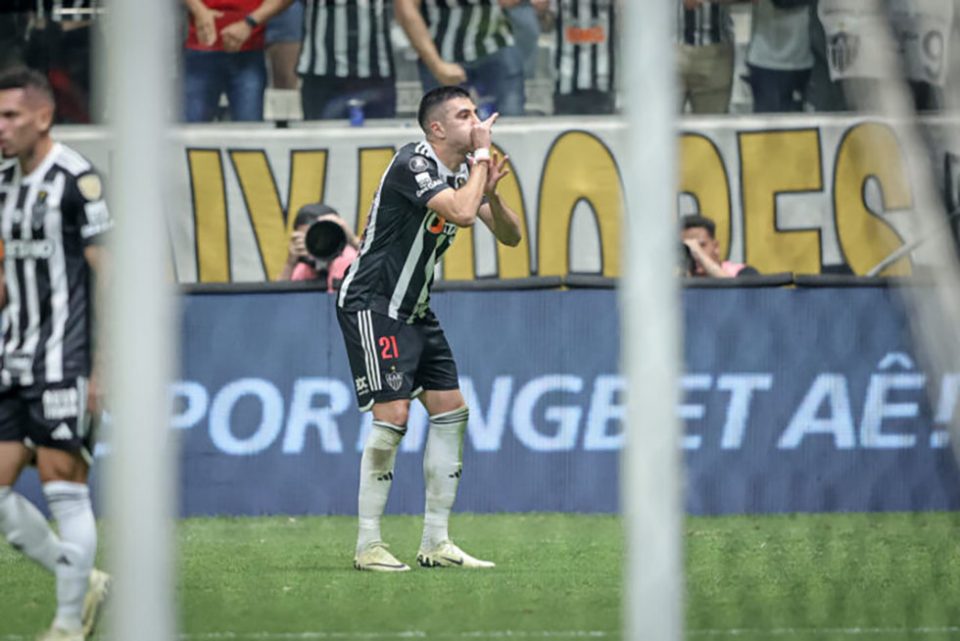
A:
x: 376, y: 477
x: 27, y: 530
x: 70, y: 505
x: 442, y: 464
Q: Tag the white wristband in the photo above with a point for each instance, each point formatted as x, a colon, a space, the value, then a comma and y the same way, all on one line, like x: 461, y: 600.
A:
x: 481, y: 154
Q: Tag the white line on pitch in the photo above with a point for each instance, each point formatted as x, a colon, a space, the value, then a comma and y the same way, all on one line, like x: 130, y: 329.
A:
x: 788, y: 632
x: 414, y: 635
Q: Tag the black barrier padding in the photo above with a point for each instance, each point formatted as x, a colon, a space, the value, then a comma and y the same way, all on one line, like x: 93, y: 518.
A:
x: 590, y: 281
x: 498, y: 284
x: 580, y: 281
x: 843, y: 280
x: 253, y: 287
x: 760, y: 280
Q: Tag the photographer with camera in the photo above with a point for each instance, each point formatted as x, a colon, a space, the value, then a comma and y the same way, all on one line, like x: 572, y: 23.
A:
x: 702, y: 251
x: 322, y: 246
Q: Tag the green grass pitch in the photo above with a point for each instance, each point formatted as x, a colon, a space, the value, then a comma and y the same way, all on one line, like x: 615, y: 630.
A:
x: 849, y: 576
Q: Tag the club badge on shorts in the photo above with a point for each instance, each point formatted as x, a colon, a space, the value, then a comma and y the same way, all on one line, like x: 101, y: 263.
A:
x: 394, y: 379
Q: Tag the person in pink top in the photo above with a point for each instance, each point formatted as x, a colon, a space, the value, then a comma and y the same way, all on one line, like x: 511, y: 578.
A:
x: 698, y: 234
x: 302, y: 265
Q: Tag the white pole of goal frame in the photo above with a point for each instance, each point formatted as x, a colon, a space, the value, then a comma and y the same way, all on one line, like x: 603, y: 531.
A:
x: 650, y: 355
x: 139, y: 480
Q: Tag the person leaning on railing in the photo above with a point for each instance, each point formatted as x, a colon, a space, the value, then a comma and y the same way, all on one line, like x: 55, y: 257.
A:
x: 698, y: 235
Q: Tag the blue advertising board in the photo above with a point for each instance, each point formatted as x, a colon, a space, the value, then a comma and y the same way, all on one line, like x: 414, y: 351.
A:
x: 793, y: 400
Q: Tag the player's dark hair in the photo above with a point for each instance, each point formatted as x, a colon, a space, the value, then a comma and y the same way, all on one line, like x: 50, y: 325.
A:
x: 26, y: 78
x: 693, y: 222
x: 433, y: 99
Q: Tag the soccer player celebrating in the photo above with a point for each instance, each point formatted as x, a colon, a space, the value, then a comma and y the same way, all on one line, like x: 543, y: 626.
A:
x: 395, y: 345
x: 52, y: 215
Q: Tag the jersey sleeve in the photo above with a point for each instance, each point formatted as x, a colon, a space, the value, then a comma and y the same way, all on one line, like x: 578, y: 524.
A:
x: 93, y: 216
x: 416, y: 179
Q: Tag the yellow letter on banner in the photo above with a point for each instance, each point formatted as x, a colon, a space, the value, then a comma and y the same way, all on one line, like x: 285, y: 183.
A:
x: 308, y: 172
x: 869, y: 150
x: 772, y: 163
x: 209, y: 215
x: 263, y: 206
x: 373, y: 162
x: 704, y: 176
x: 578, y: 167
x: 459, y: 262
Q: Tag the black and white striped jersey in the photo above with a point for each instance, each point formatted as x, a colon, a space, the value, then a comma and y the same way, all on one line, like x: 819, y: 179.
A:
x: 47, y: 218
x: 67, y: 10
x: 347, y: 39
x: 710, y: 23
x: 585, y: 45
x: 466, y: 30
x: 404, y: 238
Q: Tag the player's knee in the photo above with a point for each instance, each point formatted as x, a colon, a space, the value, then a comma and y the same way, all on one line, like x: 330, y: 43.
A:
x: 395, y: 413
x: 57, y: 465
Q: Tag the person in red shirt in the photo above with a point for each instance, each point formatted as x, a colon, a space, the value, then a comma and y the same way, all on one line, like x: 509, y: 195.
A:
x: 224, y: 53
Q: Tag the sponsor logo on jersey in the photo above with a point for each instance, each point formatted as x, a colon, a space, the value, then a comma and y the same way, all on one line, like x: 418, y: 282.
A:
x: 418, y: 164
x: 423, y: 180
x: 437, y: 224
x: 60, y: 403
x: 26, y: 249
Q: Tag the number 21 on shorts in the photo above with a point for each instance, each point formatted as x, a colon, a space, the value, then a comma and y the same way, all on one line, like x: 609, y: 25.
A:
x: 388, y: 347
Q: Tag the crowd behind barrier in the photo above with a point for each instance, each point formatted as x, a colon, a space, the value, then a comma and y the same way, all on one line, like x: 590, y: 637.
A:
x: 311, y: 59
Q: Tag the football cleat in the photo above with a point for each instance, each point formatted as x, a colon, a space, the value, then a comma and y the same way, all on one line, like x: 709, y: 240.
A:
x: 377, y: 558
x: 447, y: 555
x: 59, y: 634
x: 92, y: 603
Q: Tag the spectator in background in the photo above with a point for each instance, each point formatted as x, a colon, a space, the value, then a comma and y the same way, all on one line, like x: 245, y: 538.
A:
x: 525, y: 24
x: 283, y: 46
x: 332, y: 265
x: 347, y: 56
x: 585, y: 53
x: 60, y: 41
x: 705, y: 55
x: 698, y: 234
x: 468, y: 43
x: 779, y: 56
x: 225, y: 54
x: 853, y: 39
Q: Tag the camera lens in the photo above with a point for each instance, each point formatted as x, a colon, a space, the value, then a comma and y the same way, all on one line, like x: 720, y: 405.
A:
x: 325, y: 240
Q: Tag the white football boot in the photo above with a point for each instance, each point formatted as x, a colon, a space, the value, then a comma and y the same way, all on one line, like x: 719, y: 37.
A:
x: 59, y: 634
x: 92, y: 603
x: 377, y: 558
x: 447, y: 555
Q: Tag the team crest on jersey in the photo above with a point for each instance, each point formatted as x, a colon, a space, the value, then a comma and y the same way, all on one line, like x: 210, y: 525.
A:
x: 90, y: 186
x: 394, y: 379
x: 39, y: 209
x: 418, y: 164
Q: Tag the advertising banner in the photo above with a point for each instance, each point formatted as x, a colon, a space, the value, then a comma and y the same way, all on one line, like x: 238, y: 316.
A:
x: 793, y: 400
x: 803, y: 194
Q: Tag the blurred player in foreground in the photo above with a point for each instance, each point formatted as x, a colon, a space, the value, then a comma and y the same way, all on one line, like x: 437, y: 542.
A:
x: 396, y: 347
x: 52, y: 217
